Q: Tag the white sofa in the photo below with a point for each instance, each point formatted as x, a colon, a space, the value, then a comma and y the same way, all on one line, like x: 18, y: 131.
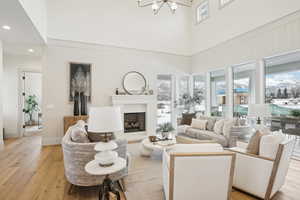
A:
x: 262, y: 176
x: 197, y: 171
x: 225, y: 139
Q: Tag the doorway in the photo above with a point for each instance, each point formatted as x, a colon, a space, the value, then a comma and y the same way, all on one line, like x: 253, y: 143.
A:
x: 31, y: 93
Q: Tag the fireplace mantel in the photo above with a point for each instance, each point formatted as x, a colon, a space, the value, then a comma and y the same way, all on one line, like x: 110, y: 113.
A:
x: 138, y: 103
x: 133, y: 99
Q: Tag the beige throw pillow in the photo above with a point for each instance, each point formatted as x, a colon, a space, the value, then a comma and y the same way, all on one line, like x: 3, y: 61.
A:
x: 199, y: 124
x: 210, y: 122
x: 254, y: 143
x: 218, y: 128
x: 228, y: 124
x: 79, y: 135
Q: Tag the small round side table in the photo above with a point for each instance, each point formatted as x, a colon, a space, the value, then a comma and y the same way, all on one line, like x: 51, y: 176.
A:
x: 108, y: 185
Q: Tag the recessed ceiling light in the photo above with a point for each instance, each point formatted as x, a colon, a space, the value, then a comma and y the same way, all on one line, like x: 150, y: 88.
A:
x: 30, y: 50
x: 5, y: 27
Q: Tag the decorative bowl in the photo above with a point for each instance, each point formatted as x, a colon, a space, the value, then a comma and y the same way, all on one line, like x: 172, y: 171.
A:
x: 106, y: 158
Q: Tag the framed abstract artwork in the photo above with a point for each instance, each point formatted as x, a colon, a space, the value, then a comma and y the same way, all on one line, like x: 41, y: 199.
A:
x: 80, y: 80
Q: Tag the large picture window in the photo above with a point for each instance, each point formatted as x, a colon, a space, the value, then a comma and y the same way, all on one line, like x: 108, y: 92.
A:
x: 199, y: 92
x: 218, y: 93
x: 282, y: 92
x: 283, y: 84
x: 243, y: 88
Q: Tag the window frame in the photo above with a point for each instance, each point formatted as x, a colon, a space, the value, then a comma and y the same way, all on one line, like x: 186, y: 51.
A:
x: 197, y: 9
x: 225, y: 4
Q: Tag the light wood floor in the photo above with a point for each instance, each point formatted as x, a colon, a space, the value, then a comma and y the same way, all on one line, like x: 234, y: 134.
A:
x: 30, y: 172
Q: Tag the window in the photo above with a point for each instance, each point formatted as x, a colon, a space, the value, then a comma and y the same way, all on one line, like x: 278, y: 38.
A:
x: 183, y: 90
x: 283, y: 84
x: 218, y: 93
x: 199, y: 90
x: 282, y: 92
x: 224, y: 3
x: 243, y: 88
x: 202, y: 11
x: 164, y: 99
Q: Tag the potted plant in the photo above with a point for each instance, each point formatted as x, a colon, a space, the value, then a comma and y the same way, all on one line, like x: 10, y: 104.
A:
x: 189, y: 101
x: 165, y: 130
x: 31, y: 105
x: 295, y: 113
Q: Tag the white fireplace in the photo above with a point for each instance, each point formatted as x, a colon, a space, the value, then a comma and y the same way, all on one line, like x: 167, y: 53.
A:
x: 137, y: 105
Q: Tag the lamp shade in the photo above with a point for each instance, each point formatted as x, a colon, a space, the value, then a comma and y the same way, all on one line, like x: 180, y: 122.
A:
x: 104, y: 119
x: 259, y: 110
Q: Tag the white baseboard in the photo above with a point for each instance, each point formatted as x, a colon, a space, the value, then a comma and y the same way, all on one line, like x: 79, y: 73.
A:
x: 51, y: 141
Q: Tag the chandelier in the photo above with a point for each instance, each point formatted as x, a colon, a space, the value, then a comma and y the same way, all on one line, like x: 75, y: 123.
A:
x: 158, y: 4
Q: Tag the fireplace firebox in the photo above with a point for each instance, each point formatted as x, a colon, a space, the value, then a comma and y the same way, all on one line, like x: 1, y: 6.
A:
x: 134, y: 122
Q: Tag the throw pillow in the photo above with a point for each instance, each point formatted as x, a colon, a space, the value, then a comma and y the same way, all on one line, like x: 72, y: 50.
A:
x: 210, y: 122
x: 187, y: 118
x: 80, y: 124
x: 254, y: 143
x: 79, y: 135
x: 199, y: 124
x: 228, y: 124
x: 218, y: 128
x: 269, y: 145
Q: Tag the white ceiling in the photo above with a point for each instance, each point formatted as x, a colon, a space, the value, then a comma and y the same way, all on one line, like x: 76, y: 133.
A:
x: 23, y: 34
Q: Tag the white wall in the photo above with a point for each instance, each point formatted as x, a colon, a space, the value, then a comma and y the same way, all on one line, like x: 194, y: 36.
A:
x: 275, y: 38
x: 109, y: 66
x: 235, y: 19
x: 13, y: 66
x: 36, y: 11
x: 1, y: 94
x: 120, y: 23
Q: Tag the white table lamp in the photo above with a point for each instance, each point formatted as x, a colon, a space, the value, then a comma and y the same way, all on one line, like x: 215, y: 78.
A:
x: 259, y: 111
x: 105, y: 120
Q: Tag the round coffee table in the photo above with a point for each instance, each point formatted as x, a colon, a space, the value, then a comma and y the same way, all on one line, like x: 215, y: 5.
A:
x: 148, y: 147
x: 108, y: 185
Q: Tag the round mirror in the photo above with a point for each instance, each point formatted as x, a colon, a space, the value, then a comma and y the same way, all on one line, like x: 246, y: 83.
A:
x: 134, y: 83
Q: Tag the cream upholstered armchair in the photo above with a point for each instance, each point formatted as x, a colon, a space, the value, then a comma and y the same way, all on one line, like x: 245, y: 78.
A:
x: 262, y: 176
x: 197, y: 171
x: 77, y: 155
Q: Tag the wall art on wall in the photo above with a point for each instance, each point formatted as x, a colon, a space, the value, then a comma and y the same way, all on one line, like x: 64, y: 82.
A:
x: 80, y: 82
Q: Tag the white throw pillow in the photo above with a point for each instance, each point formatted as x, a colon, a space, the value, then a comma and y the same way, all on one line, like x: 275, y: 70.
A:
x: 79, y: 135
x: 269, y: 145
x: 199, y: 124
x: 218, y: 128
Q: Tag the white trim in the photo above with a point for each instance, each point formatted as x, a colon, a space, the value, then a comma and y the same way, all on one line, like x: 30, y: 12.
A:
x: 261, y: 80
x: 229, y: 92
x: 282, y: 54
x: 208, y: 95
